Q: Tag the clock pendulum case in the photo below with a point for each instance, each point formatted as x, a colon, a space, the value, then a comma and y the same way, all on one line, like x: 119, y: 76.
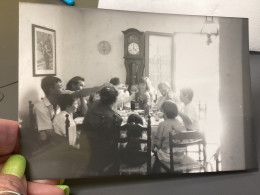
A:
x: 134, y: 55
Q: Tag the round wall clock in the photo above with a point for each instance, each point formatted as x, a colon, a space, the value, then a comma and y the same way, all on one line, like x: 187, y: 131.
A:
x: 104, y: 47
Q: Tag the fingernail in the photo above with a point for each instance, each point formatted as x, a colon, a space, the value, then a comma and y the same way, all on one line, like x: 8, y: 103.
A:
x: 15, y: 165
x: 62, y: 181
x: 65, y: 188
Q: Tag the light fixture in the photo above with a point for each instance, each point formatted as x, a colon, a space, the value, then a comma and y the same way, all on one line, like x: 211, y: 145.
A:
x: 209, y: 28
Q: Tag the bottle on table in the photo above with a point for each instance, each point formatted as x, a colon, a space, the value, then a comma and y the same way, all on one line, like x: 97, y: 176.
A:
x: 132, y: 105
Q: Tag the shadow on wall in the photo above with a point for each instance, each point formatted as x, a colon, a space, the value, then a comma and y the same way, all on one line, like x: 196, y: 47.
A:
x: 24, y: 112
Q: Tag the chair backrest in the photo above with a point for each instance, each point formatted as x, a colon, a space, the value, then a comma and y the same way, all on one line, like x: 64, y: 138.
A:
x: 185, y: 139
x: 32, y: 118
x: 67, y: 125
x: 188, y: 135
x: 138, y: 128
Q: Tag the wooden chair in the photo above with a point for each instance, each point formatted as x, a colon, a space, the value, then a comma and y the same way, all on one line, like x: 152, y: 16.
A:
x: 56, y: 139
x: 32, y: 118
x: 58, y: 157
x: 132, y: 168
x: 214, y: 162
x: 184, y: 140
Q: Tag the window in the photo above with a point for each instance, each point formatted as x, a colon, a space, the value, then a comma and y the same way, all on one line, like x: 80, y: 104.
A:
x: 159, y: 58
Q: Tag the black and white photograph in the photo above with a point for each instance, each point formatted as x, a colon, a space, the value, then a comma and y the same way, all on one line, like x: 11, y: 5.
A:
x: 132, y: 93
x: 44, y: 56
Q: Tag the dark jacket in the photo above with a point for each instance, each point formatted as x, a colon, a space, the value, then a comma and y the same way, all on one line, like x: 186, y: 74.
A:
x: 100, y: 132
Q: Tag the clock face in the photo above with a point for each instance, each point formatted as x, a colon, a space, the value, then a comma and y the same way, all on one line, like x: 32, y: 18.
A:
x: 133, y: 48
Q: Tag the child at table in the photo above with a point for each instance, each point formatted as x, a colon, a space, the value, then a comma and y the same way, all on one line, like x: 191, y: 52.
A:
x: 161, y: 139
x: 132, y: 152
x: 134, y: 118
x: 68, y: 105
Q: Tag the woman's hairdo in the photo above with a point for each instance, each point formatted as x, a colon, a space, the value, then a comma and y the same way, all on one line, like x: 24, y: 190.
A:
x: 108, y: 95
x: 170, y: 109
x: 146, y: 81
x: 164, y: 84
x: 115, y: 81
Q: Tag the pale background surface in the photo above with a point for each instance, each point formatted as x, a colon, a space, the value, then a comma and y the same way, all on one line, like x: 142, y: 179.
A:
x: 231, y: 8
x: 237, y: 184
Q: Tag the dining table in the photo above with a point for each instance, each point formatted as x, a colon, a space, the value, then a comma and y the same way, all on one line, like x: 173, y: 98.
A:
x: 156, y: 118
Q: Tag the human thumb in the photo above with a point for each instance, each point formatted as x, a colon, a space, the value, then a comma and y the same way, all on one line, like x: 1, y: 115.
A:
x: 11, y: 176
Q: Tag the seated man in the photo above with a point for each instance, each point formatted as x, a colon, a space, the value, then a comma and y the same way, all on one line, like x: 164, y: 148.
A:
x: 75, y: 84
x: 46, y: 109
x: 188, y: 113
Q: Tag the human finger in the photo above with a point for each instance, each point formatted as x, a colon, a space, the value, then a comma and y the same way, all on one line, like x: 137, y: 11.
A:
x: 43, y: 189
x: 49, y: 181
x: 9, y: 133
x: 11, y: 176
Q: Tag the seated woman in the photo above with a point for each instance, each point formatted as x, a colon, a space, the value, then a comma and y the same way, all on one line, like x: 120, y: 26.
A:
x: 100, y: 131
x: 131, y: 153
x: 142, y: 96
x: 152, y: 91
x: 167, y: 94
x: 161, y: 139
x: 68, y: 105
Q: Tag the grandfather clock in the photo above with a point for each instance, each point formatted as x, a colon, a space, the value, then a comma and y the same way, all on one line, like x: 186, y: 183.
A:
x: 134, y: 55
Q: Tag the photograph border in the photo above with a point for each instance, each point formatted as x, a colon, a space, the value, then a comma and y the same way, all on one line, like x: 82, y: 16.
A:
x: 34, y: 28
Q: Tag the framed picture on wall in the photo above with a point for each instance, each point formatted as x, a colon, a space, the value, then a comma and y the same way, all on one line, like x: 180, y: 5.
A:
x: 44, y: 51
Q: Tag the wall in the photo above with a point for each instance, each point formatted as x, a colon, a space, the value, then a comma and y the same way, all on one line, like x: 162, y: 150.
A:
x: 116, y: 22
x: 68, y: 47
x: 231, y: 94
